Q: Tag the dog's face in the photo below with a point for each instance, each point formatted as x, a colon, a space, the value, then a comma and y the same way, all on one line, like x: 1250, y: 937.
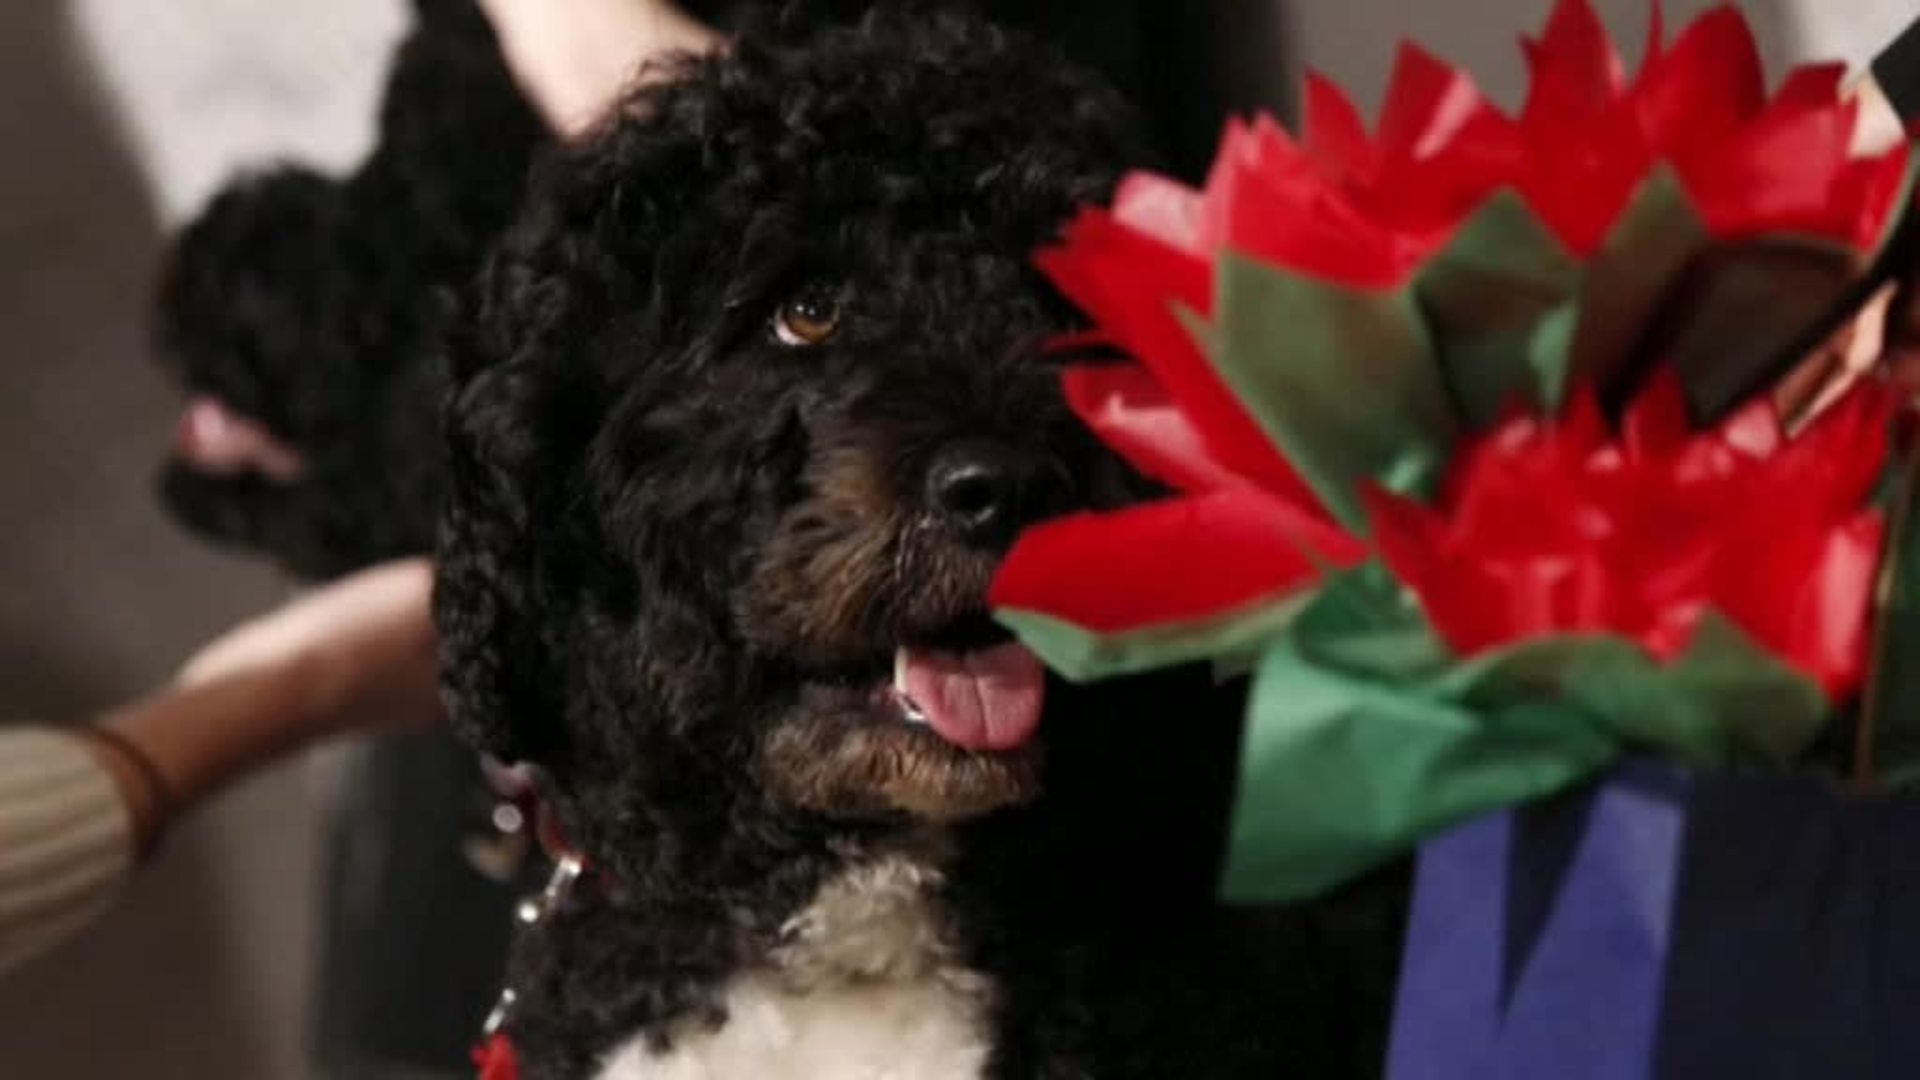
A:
x: 883, y: 424
x: 751, y: 408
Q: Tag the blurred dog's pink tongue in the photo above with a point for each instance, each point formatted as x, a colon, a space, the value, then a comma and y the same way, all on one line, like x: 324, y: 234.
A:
x: 214, y: 439
x: 986, y: 700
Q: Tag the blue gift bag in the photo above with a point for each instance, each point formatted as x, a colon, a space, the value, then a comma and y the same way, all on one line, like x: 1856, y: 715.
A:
x: 1666, y: 926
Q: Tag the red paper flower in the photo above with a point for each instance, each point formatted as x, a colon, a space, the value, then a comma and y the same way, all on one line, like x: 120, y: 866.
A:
x: 1364, y: 210
x: 1555, y: 527
x: 1588, y: 138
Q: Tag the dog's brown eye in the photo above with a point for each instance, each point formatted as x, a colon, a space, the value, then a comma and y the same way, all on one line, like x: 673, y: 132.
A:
x: 807, y: 320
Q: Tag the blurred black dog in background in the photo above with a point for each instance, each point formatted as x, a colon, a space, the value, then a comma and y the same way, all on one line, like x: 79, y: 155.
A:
x: 300, y: 311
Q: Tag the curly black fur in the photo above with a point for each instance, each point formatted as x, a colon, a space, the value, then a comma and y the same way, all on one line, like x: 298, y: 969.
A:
x: 310, y: 304
x: 676, y: 550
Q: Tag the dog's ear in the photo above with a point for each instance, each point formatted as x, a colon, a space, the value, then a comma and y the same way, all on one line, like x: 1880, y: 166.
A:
x: 528, y: 392
x: 515, y: 417
x: 492, y: 660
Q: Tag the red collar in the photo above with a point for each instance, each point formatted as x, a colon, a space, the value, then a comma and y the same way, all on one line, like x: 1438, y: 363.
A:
x: 497, y: 1059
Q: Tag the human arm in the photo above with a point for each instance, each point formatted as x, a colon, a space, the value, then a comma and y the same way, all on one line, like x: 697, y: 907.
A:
x: 79, y: 805
x: 575, y: 57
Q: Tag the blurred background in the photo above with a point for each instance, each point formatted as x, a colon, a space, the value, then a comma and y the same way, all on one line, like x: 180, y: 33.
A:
x: 118, y: 118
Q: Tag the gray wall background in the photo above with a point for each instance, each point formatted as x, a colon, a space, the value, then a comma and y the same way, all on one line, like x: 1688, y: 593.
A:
x: 117, y: 117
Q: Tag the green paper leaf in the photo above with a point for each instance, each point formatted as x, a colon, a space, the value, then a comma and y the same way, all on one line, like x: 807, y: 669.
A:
x: 1890, y: 712
x: 1766, y: 712
x: 1548, y: 354
x: 1082, y: 655
x: 1365, y: 735
x: 1343, y: 769
x: 1651, y: 245
x: 1741, y: 306
x: 1343, y: 380
x: 1502, y: 283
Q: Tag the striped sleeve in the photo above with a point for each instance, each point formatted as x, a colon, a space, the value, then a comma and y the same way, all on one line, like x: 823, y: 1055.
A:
x: 66, y: 840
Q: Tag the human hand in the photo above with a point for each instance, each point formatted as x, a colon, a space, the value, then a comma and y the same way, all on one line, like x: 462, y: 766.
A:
x: 574, y: 58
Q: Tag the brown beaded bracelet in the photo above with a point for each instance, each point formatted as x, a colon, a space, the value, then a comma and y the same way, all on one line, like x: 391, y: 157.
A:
x: 159, y: 793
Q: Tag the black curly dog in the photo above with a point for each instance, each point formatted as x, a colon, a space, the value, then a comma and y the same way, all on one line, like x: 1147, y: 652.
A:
x: 745, y: 410
x: 301, y: 312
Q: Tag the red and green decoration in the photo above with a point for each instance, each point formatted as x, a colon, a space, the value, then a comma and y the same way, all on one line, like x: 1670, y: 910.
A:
x: 1367, y: 366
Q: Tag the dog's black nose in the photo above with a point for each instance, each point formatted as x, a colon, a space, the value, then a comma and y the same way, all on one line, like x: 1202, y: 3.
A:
x: 984, y: 491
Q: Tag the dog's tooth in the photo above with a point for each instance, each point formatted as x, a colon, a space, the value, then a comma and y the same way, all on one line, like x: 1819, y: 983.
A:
x: 909, y: 709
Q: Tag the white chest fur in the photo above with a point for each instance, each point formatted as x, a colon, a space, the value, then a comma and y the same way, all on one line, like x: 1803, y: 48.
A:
x: 864, y: 987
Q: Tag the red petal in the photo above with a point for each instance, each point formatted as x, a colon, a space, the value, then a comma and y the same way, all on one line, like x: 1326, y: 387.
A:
x: 1132, y: 413
x: 1335, y: 135
x: 1812, y: 86
x: 1790, y: 169
x: 1801, y: 586
x: 1656, y: 34
x: 1130, y: 283
x: 1321, y: 235
x: 1808, y: 598
x: 1244, y: 153
x: 1582, y: 174
x: 1176, y: 561
x: 1656, y: 423
x: 1277, y: 207
x: 1485, y: 155
x: 1700, y: 93
x: 1454, y: 593
x: 1583, y: 426
x: 1587, y: 156
x: 1866, y: 198
x: 1780, y: 174
x: 1443, y: 147
x: 1835, y: 464
x: 1576, y: 72
x: 1164, y: 209
x: 1428, y: 103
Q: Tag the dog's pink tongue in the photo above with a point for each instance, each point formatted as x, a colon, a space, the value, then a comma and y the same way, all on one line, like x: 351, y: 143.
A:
x: 986, y: 700
x: 214, y: 439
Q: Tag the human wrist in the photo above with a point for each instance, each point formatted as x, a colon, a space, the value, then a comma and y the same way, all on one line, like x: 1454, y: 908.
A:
x: 574, y: 58
x: 199, y: 737
x: 143, y: 788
